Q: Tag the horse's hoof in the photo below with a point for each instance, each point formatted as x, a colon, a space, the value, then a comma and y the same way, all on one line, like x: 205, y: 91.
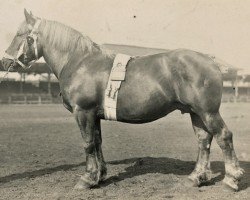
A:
x: 231, y: 183
x: 85, y: 182
x: 194, y: 180
x: 81, y: 185
x: 239, y: 173
x: 236, y: 173
x: 199, y: 178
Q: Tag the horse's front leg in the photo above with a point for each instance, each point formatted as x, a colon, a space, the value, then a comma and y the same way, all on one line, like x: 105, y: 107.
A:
x: 98, y: 142
x: 89, y: 125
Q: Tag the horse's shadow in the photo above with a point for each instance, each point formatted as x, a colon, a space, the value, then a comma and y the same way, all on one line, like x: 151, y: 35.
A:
x: 164, y: 165
x: 140, y: 166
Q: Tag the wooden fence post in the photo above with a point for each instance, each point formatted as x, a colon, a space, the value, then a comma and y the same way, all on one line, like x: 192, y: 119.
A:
x: 9, y: 100
x: 39, y: 100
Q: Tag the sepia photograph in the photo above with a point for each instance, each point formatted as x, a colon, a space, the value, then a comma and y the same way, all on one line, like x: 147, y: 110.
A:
x: 127, y: 100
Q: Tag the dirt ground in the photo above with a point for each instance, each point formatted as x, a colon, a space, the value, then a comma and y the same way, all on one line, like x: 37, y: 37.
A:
x: 41, y: 156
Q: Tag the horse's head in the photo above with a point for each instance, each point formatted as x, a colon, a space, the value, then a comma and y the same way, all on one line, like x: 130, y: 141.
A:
x: 25, y: 47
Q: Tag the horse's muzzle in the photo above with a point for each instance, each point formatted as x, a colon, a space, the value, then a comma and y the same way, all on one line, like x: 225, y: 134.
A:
x: 8, y: 64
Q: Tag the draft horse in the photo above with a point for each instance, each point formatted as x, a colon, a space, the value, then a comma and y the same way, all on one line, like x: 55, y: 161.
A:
x: 155, y: 85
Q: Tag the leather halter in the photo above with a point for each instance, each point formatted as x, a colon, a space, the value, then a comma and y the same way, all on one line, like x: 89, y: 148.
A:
x: 33, y: 34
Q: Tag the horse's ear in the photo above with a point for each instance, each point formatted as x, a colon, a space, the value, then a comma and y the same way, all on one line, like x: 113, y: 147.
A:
x: 29, y: 17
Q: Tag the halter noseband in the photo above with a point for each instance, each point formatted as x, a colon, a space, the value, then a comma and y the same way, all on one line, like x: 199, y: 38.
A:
x: 33, y: 34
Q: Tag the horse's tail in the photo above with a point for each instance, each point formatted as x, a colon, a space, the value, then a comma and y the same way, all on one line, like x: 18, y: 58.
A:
x: 223, y: 65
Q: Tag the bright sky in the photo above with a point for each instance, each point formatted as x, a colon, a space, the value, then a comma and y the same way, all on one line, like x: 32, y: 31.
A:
x: 218, y: 27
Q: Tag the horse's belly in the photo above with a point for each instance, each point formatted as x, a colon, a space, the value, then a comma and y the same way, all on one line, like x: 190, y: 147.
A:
x: 141, y: 105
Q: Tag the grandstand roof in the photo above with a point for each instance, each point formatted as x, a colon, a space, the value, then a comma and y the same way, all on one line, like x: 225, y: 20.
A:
x: 39, y: 68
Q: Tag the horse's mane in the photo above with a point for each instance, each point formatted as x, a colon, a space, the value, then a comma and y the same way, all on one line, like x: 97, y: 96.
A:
x: 67, y: 39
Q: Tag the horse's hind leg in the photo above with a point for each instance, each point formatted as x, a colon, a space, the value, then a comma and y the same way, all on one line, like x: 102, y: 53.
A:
x: 224, y: 138
x: 202, y: 172
x: 89, y: 126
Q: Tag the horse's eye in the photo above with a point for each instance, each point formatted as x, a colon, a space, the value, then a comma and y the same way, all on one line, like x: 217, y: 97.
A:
x: 30, y: 40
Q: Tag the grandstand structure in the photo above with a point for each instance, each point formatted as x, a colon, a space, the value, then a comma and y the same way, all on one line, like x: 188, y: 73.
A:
x: 19, y: 90
x: 43, y: 87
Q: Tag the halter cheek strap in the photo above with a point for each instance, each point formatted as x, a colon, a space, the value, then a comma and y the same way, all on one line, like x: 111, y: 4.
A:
x: 33, y: 34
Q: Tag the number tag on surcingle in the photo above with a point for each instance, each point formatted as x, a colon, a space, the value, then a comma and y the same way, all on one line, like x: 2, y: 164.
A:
x: 118, y: 72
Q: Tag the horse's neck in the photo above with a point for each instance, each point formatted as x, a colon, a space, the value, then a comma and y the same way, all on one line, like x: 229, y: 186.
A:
x: 57, y: 59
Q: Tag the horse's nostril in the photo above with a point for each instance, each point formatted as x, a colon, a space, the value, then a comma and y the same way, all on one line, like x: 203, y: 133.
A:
x: 6, y: 63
